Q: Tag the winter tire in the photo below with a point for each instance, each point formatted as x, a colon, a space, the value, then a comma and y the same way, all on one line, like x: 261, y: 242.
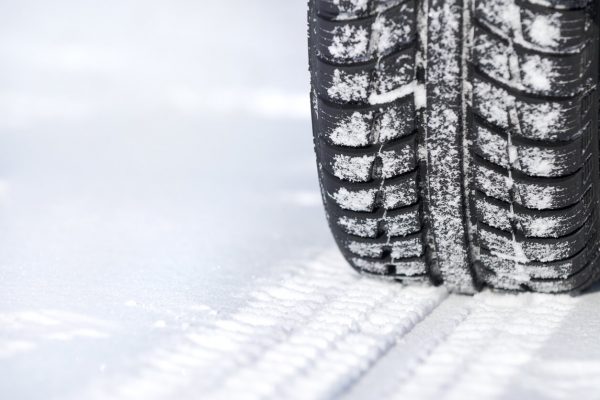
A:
x: 457, y: 140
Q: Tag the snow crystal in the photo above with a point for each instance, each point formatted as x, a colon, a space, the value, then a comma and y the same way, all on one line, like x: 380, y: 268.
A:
x: 359, y: 200
x: 353, y: 131
x: 443, y: 138
x: 354, y: 169
x: 370, y: 266
x: 560, y: 4
x: 492, y: 146
x: 491, y: 103
x: 348, y: 87
x: 543, y: 226
x: 399, y: 195
x: 372, y: 250
x: 420, y: 95
x: 538, y: 162
x: 492, y: 56
x: 542, y: 121
x: 512, y: 154
x: 350, y: 8
x: 360, y: 227
x: 398, y: 93
x: 401, y: 249
x: 539, y: 197
x: 493, y: 214
x: 393, y: 73
x: 503, y: 247
x: 545, y: 30
x: 403, y: 224
x: 349, y: 42
x: 549, y: 252
x: 387, y: 33
x: 407, y: 268
x: 538, y: 73
x: 407, y: 248
x: 531, y: 29
x: 396, y: 162
x: 391, y: 125
x: 492, y: 183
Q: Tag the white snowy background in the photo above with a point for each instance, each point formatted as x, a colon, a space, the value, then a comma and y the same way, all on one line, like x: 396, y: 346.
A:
x: 162, y: 237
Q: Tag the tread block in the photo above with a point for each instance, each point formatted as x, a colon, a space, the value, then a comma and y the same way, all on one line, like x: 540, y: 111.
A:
x: 383, y: 248
x: 561, y: 5
x: 490, y: 145
x: 551, y: 121
x: 365, y: 164
x: 492, y: 182
x: 523, y: 249
x: 392, y: 194
x: 343, y: 10
x: 408, y: 268
x: 533, y: 158
x: 394, y: 223
x: 541, y: 74
x: 512, y: 282
x: 359, y: 40
x: 532, y: 223
x: 534, y: 193
x: 360, y: 83
x: 543, y: 28
x: 549, y: 193
x: 364, y: 127
x: 561, y: 269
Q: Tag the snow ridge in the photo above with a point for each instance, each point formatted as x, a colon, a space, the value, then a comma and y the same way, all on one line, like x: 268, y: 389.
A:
x: 311, y: 335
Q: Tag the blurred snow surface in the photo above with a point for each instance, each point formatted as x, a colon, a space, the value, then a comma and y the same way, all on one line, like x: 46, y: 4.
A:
x: 161, y: 233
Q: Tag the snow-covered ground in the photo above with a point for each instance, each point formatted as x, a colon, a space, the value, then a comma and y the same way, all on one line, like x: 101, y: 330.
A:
x: 161, y: 233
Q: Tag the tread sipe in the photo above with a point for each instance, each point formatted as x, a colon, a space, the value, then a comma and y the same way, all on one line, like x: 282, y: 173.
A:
x: 457, y: 140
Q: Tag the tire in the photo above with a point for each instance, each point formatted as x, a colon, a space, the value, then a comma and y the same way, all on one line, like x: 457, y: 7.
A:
x: 457, y: 140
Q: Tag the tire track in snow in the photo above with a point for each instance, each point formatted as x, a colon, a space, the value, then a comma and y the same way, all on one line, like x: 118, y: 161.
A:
x: 485, y: 352
x: 311, y: 334
x: 342, y: 342
x: 26, y: 331
x: 398, y: 365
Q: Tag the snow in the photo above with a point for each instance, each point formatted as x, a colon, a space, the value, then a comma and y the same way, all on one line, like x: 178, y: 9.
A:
x: 537, y: 73
x: 541, y: 198
x: 402, y: 225
x: 387, y: 97
x: 399, y: 195
x: 545, y: 30
x: 348, y: 87
x: 443, y: 144
x: 390, y: 125
x: 539, y: 162
x: 363, y: 228
x: 163, y: 238
x: 350, y: 8
x: 491, y: 146
x: 353, y: 131
x: 353, y: 169
x: 349, y: 42
x: 527, y: 27
x: 420, y: 95
x: 397, y: 162
x: 359, y: 200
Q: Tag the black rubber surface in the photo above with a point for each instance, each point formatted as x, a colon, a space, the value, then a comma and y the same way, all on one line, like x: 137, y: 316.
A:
x: 457, y: 141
